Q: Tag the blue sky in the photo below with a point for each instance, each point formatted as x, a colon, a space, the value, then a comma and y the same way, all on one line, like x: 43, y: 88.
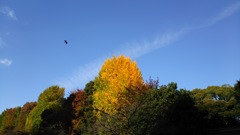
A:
x: 193, y: 43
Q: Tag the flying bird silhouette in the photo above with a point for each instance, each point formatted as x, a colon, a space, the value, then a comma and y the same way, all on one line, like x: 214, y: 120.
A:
x: 65, y: 41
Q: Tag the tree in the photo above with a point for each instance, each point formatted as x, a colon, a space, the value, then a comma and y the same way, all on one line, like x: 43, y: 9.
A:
x: 50, y: 99
x: 150, y: 115
x: 117, y: 86
x: 116, y: 77
x: 165, y: 111
x: 87, y: 117
x: 237, y: 91
x: 183, y: 117
x: 219, y: 102
x: 1, y: 121
x: 9, y: 119
x: 53, y: 122
x: 25, y: 110
x: 237, y: 97
x: 77, y: 100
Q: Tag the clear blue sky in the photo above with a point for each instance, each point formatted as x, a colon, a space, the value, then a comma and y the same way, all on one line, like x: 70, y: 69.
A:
x: 193, y: 43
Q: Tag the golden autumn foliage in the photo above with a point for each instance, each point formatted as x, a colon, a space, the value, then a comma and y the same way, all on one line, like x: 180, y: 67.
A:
x: 118, y: 82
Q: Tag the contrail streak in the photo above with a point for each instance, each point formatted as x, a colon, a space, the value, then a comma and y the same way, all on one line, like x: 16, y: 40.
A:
x: 135, y: 50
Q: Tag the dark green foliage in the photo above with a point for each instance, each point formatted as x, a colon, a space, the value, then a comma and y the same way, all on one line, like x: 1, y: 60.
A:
x: 87, y: 117
x: 183, y: 117
x: 149, y: 115
x: 164, y: 111
x: 53, y: 122
x: 237, y: 91
x: 237, y: 97
x: 89, y: 89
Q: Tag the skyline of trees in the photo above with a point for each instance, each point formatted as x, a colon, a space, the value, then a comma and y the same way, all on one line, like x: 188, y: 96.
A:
x: 119, y: 102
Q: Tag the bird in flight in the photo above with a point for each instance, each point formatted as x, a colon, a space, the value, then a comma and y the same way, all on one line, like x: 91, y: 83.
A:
x: 65, y: 41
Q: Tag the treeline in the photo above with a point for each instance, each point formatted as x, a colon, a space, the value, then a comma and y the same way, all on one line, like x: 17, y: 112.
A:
x: 119, y: 102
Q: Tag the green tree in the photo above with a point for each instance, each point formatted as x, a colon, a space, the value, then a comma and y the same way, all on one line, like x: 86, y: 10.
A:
x: 218, y: 101
x: 51, y: 98
x: 237, y: 97
x: 183, y: 117
x: 165, y: 110
x: 159, y: 101
x: 87, y: 119
x: 237, y: 91
x: 53, y: 122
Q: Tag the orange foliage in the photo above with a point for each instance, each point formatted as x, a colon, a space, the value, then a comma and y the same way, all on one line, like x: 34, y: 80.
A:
x: 77, y: 104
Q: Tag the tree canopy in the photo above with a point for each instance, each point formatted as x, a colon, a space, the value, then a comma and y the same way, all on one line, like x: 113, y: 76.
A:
x: 119, y: 102
x: 51, y: 98
x: 118, y: 82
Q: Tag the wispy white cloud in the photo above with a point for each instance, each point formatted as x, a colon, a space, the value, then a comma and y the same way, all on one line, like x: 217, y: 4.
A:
x: 81, y: 76
x: 232, y: 9
x: 135, y: 50
x: 5, y: 62
x: 8, y: 12
x: 228, y: 11
x: 88, y: 72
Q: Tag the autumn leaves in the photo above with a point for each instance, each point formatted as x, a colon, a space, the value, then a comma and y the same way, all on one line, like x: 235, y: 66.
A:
x: 118, y: 80
x: 119, y: 102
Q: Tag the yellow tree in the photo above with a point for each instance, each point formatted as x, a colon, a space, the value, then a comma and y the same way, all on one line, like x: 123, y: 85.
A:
x: 119, y: 81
